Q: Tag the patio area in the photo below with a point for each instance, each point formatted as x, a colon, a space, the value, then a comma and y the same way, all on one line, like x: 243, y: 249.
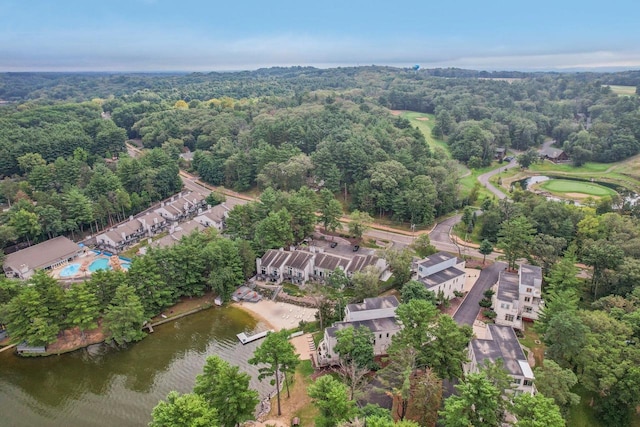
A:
x: 88, y: 263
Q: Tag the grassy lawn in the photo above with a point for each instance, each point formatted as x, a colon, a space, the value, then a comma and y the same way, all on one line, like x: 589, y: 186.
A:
x: 418, y: 120
x: 467, y: 183
x: 307, y: 411
x: 562, y: 186
x: 529, y: 341
x: 623, y: 90
x: 587, y: 168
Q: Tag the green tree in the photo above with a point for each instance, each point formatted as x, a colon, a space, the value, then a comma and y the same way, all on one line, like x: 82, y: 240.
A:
x: 477, y: 403
x: 125, y: 316
x: 274, y: 231
x: 25, y: 224
x: 528, y: 158
x: 399, y: 262
x: 330, y: 211
x: 602, y: 255
x: 416, y: 290
x: 359, y: 223
x: 514, y: 238
x: 226, y: 390
x: 366, y: 283
x: 485, y: 249
x: 83, y: 308
x: 355, y: 344
x: 187, y: 410
x: 556, y: 383
x: 26, y: 319
x: 565, y: 338
x: 422, y: 246
x: 331, y: 398
x: 536, y: 411
x: 275, y: 354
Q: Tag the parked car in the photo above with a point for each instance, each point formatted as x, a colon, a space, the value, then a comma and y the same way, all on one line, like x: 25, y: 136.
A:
x: 333, y: 244
x: 356, y: 248
x: 508, y: 159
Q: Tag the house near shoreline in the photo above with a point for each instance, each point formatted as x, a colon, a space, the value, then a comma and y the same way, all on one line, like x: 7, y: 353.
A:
x: 441, y: 273
x: 501, y: 344
x: 301, y: 265
x: 376, y: 314
x: 43, y: 256
x: 518, y: 296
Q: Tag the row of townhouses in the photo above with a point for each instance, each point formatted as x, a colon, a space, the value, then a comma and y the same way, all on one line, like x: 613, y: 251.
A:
x: 303, y: 264
x: 167, y: 217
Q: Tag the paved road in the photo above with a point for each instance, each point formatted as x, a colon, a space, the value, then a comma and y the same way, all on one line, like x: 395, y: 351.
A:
x: 484, y: 178
x: 469, y: 309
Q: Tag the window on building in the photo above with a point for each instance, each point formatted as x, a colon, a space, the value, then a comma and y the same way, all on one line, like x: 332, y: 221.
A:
x: 264, y: 271
x: 380, y: 336
x: 508, y: 317
x: 528, y: 309
x: 527, y: 299
x: 528, y: 383
x: 387, y: 334
x: 529, y: 290
x: 504, y: 305
x: 516, y: 380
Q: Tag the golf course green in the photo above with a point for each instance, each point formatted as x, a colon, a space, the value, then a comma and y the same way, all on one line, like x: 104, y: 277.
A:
x: 572, y: 188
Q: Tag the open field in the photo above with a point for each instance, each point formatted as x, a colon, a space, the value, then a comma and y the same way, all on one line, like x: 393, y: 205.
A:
x: 418, y: 120
x: 566, y: 187
x: 623, y: 90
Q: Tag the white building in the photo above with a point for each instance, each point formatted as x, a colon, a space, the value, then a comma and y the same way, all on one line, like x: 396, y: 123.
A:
x: 441, y: 272
x: 43, y: 256
x: 271, y: 265
x: 517, y: 296
x: 501, y: 343
x: 376, y: 314
x: 214, y: 217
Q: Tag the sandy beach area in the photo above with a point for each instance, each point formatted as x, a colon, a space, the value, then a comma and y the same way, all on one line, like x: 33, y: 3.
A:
x: 278, y: 315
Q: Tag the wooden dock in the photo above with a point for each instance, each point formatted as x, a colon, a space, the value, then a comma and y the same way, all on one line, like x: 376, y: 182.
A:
x: 244, y: 338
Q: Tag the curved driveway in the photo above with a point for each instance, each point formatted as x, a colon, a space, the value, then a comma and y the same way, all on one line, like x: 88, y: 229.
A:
x: 484, y: 178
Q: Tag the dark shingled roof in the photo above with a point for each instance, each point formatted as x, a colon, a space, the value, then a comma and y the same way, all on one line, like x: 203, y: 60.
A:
x: 274, y: 258
x: 299, y: 260
x: 503, y: 345
x: 374, y: 304
x: 551, y: 152
x: 436, y: 258
x: 359, y: 262
x: 440, y: 277
x: 374, y: 325
x: 508, y: 286
x: 43, y: 254
x: 528, y: 274
x: 330, y: 262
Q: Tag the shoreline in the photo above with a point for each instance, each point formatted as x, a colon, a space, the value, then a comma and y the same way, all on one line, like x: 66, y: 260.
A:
x: 277, y: 315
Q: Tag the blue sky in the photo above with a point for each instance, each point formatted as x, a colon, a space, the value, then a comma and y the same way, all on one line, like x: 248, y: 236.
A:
x: 192, y: 35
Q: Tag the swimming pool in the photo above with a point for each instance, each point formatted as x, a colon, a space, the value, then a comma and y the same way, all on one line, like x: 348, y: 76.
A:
x: 103, y: 264
x: 100, y: 264
x: 70, y: 270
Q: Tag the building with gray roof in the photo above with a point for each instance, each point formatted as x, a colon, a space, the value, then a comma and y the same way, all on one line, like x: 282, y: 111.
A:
x: 43, y: 256
x: 518, y: 296
x: 441, y: 273
x: 501, y: 345
x: 376, y: 314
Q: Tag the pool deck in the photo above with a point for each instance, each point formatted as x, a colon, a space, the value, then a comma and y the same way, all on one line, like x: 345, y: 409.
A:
x: 85, y: 261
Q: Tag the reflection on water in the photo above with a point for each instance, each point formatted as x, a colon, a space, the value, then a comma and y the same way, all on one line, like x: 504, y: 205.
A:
x: 105, y: 386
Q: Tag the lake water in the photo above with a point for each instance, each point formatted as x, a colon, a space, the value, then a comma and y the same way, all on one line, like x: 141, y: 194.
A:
x: 104, y: 386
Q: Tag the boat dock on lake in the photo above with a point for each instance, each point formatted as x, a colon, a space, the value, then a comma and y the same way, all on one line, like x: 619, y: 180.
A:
x: 244, y: 338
